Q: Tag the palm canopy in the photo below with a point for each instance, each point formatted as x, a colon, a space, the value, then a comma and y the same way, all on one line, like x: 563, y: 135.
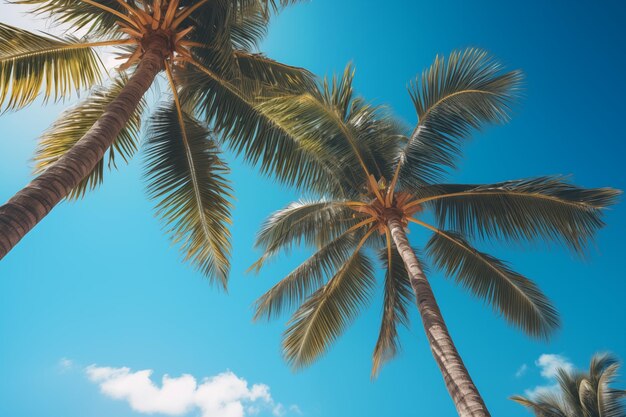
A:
x: 582, y: 394
x: 384, y: 170
x: 215, y: 78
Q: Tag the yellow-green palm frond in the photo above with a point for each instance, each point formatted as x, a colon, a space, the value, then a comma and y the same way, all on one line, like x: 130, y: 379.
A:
x: 186, y: 178
x: 75, y: 122
x: 512, y: 295
x: 398, y: 296
x: 80, y: 14
x: 466, y: 91
x: 299, y: 223
x: 326, y: 314
x: 250, y: 132
x: 547, y: 208
x: 306, y: 278
x: 30, y: 63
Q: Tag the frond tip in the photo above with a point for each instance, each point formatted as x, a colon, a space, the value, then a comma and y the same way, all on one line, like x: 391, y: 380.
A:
x: 186, y: 177
x: 514, y: 296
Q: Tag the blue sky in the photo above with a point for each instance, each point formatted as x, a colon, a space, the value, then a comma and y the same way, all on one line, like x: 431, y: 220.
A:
x: 97, y: 287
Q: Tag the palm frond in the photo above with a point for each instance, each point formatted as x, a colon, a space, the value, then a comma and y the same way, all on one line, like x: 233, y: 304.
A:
x: 249, y: 131
x: 546, y: 208
x: 511, y: 294
x: 300, y: 222
x: 186, y: 177
x: 453, y: 98
x: 306, y: 278
x: 327, y: 313
x: 29, y: 62
x: 80, y: 14
x: 74, y: 123
x: 397, y: 298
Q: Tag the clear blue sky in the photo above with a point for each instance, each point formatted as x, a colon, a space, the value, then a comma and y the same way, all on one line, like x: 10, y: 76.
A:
x: 97, y: 283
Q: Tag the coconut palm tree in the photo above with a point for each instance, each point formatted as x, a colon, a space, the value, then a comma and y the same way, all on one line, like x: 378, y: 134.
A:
x: 582, y: 394
x: 388, y: 176
x: 206, y: 51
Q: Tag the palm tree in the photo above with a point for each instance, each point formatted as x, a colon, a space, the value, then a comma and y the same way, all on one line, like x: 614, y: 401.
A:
x: 387, y: 176
x: 206, y: 51
x: 582, y: 394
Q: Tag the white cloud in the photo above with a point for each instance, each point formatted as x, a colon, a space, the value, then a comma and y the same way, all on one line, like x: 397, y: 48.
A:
x: 521, y: 371
x: 549, y: 364
x: 222, y: 395
x: 65, y: 364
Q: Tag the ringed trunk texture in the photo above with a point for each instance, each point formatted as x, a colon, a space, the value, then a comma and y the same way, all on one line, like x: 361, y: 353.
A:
x: 464, y: 393
x: 22, y: 212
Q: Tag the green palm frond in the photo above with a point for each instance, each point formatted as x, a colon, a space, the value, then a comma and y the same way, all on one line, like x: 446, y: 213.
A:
x: 186, y: 177
x: 75, y: 122
x: 331, y: 122
x: 546, y: 208
x: 511, y: 294
x: 80, y: 14
x: 306, y: 278
x: 300, y: 222
x: 327, y: 313
x: 252, y: 133
x: 452, y: 98
x: 262, y: 73
x: 30, y: 63
x: 398, y: 295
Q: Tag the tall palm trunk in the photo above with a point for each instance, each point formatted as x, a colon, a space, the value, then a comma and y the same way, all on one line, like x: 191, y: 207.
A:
x: 464, y: 393
x: 22, y: 212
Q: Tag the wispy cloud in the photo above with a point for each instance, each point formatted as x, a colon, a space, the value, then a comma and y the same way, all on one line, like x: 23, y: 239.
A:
x: 521, y: 371
x: 549, y: 364
x: 65, y: 364
x: 222, y: 395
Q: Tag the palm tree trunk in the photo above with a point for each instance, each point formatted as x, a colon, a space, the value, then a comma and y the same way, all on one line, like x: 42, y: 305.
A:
x: 22, y: 212
x: 464, y: 393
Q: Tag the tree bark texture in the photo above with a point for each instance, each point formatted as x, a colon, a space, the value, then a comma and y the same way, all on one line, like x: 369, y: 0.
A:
x: 464, y: 393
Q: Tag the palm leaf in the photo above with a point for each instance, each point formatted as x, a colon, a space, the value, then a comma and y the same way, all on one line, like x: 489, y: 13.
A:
x: 29, y: 62
x: 74, y: 123
x: 185, y: 176
x: 300, y: 222
x: 309, y: 276
x: 326, y: 314
x: 398, y: 294
x: 252, y: 133
x: 511, y: 294
x: 452, y: 98
x: 546, y: 208
x: 80, y: 14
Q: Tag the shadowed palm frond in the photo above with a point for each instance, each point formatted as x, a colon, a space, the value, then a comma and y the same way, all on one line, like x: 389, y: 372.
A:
x: 347, y: 132
x: 300, y: 223
x: 512, y: 295
x: 250, y: 132
x: 186, y: 177
x: 306, y: 278
x: 30, y: 63
x: 452, y: 98
x: 75, y: 122
x: 398, y: 296
x: 327, y: 313
x: 547, y: 208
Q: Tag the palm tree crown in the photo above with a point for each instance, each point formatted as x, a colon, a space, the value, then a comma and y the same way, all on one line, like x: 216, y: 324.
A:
x: 582, y: 394
x: 388, y: 175
x: 206, y: 51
